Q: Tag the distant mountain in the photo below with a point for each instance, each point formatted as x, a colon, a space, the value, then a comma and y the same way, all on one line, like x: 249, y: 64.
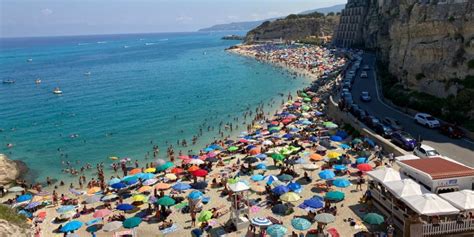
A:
x: 248, y: 25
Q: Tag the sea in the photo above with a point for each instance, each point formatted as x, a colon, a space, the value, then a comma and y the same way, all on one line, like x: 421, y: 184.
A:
x: 122, y: 94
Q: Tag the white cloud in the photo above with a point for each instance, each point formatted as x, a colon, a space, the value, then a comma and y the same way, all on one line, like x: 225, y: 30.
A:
x: 184, y: 18
x: 46, y: 12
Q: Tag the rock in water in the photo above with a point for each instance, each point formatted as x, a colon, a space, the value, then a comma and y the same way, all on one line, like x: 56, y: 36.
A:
x: 9, y: 170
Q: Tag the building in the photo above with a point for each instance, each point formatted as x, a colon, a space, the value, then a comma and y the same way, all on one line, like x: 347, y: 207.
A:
x: 349, y: 31
x: 438, y: 175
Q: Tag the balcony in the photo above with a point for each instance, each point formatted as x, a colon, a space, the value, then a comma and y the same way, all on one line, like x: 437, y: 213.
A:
x: 448, y: 227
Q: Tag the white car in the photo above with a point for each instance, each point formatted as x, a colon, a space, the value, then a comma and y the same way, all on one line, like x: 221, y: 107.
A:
x: 363, y: 74
x: 426, y: 120
x: 425, y: 151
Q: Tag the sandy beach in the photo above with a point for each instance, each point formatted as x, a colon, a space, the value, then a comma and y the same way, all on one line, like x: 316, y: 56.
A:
x: 305, y: 139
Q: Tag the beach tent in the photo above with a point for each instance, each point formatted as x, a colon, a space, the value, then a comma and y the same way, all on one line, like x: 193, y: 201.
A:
x: 430, y: 205
x: 405, y: 187
x: 463, y: 200
x: 384, y: 175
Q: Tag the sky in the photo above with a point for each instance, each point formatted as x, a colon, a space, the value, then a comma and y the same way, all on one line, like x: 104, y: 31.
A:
x: 19, y: 18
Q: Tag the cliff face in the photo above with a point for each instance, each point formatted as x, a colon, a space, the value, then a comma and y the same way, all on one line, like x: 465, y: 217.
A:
x: 294, y: 27
x: 428, y: 47
x: 9, y: 170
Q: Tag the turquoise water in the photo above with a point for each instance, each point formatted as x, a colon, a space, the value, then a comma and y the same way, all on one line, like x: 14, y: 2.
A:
x: 141, y: 88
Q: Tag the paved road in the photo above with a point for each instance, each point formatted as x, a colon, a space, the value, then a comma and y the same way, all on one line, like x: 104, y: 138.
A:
x: 461, y: 150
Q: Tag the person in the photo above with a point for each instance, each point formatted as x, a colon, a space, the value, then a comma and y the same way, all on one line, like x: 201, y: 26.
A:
x: 390, y: 230
x: 193, y: 218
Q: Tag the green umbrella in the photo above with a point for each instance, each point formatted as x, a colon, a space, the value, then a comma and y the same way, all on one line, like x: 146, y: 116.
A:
x: 305, y: 107
x: 356, y: 141
x: 131, y: 222
x: 329, y: 124
x: 166, y: 201
x: 300, y: 224
x: 165, y: 166
x: 205, y: 216
x: 302, y: 94
x: 307, y: 99
x: 334, y: 196
x: 274, y: 128
x: 232, y: 148
x: 278, y: 156
x: 233, y: 181
x: 374, y: 219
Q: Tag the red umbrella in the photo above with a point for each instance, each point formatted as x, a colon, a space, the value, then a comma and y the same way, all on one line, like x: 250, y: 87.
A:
x: 275, y: 123
x: 183, y: 157
x: 177, y: 170
x: 102, y: 213
x: 286, y: 121
x: 364, y: 167
x: 200, y: 173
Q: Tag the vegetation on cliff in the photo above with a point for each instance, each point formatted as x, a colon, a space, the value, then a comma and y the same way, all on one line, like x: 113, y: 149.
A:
x: 10, y: 215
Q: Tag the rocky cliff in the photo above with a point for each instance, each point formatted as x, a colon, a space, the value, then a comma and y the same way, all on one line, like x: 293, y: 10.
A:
x: 429, y: 47
x: 9, y: 170
x: 294, y: 27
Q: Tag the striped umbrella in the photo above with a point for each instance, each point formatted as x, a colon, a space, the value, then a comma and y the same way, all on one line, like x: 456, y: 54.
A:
x: 276, y: 231
x: 325, y: 218
x: 260, y: 221
x: 300, y: 223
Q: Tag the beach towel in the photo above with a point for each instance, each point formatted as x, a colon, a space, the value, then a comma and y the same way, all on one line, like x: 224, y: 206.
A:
x: 171, y: 229
x: 254, y: 209
x: 205, y: 200
x: 181, y: 205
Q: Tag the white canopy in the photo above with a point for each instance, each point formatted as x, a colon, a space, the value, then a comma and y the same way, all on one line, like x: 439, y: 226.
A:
x: 384, y: 175
x: 464, y: 199
x: 407, y: 157
x: 239, y: 187
x: 430, y: 204
x: 405, y: 188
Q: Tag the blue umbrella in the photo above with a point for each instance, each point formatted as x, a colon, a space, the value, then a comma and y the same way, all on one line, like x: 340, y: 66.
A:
x: 281, y: 189
x: 114, y: 181
x: 339, y: 167
x: 24, y: 197
x: 344, y: 146
x: 118, y: 186
x: 336, y: 138
x: 257, y: 177
x: 342, y: 133
x: 181, y: 186
x: 369, y: 141
x: 208, y: 149
x: 341, y: 183
x: 125, y: 207
x: 326, y: 174
x: 64, y: 209
x: 287, y: 136
x: 313, y: 203
x: 71, y: 226
x: 361, y: 160
x: 300, y: 223
x: 293, y: 186
x: 195, y: 194
x: 145, y: 176
x: 261, y: 156
x: 261, y: 167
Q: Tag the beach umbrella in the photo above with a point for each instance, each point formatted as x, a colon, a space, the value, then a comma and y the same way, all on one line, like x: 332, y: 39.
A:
x: 33, y: 205
x: 232, y: 148
x: 93, y: 190
x: 24, y: 197
x: 342, y: 133
x: 166, y: 201
x: 64, y: 209
x: 118, y: 186
x: 300, y: 224
x: 139, y: 198
x: 200, y: 173
x: 71, y: 226
x: 281, y: 189
x: 339, y: 167
x: 325, y: 218
x: 257, y: 177
x: 261, y: 156
x: 364, y: 167
x: 326, y: 174
x: 260, y: 221
x: 93, y: 199
x: 356, y: 141
x: 66, y: 215
x: 285, y: 177
x: 233, y: 180
x: 330, y: 125
x: 336, y: 138
x: 195, y: 194
x: 341, y: 183
x: 290, y: 197
x: 150, y: 170
x: 162, y: 186
x: 270, y: 179
x: 315, y: 157
x: 313, y: 203
x: 280, y: 209
x: 369, y: 141
x: 361, y: 160
x: 101, y: 213
x: 238, y: 187
x: 276, y: 231
x: 111, y: 226
x: 109, y: 197
x: 257, y: 188
x: 181, y: 186
x: 135, y: 171
x: 16, y: 189
x: 171, y: 176
x: 311, y: 167
x: 159, y: 162
x: 250, y: 160
x: 344, y: 146
x: 94, y: 228
x: 294, y: 186
x: 334, y: 196
x: 125, y: 207
x: 205, y: 216
x: 196, y: 162
x: 199, y: 185
x: 321, y: 149
x: 261, y: 166
x: 114, y: 181
x: 193, y: 168
x: 165, y: 166
x: 278, y: 156
x: 131, y: 179
x: 177, y: 170
x: 145, y: 176
x: 333, y: 155
x: 373, y: 219
x: 149, y: 182
x: 93, y: 221
x: 131, y: 222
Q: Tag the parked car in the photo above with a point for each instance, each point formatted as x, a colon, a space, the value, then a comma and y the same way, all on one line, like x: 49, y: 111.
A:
x: 451, y: 131
x: 392, y: 123
x: 354, y: 108
x: 383, y: 130
x: 426, y: 120
x: 403, y: 140
x: 366, y: 67
x: 370, y: 121
x: 363, y: 74
x: 365, y: 96
x: 425, y: 151
x: 360, y: 114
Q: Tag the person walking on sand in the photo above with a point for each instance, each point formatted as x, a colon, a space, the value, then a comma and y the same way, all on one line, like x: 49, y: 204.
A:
x: 193, y: 218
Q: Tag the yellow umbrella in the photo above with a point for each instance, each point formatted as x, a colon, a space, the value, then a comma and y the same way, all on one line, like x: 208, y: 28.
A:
x: 171, y: 176
x: 93, y: 190
x: 257, y: 188
x: 333, y: 155
x: 113, y: 158
x: 150, y: 170
x: 144, y: 189
x: 290, y: 197
x: 139, y: 198
x: 162, y: 186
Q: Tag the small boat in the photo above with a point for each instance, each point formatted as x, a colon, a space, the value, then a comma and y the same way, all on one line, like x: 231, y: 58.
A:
x: 57, y: 91
x: 87, y: 74
x: 8, y: 81
x: 29, y: 60
x: 38, y: 81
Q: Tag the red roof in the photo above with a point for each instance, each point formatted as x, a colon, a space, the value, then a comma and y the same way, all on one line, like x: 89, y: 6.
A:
x: 439, y: 168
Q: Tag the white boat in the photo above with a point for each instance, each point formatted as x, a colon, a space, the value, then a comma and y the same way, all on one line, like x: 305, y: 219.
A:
x: 57, y: 91
x: 29, y: 60
x: 87, y: 73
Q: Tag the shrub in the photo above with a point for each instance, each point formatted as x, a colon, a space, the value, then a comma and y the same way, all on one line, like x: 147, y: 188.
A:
x: 468, y: 82
x: 420, y: 76
x: 451, y: 19
x: 470, y: 64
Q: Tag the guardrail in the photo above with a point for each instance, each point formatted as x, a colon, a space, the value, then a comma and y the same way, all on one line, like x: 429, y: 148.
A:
x: 448, y: 227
